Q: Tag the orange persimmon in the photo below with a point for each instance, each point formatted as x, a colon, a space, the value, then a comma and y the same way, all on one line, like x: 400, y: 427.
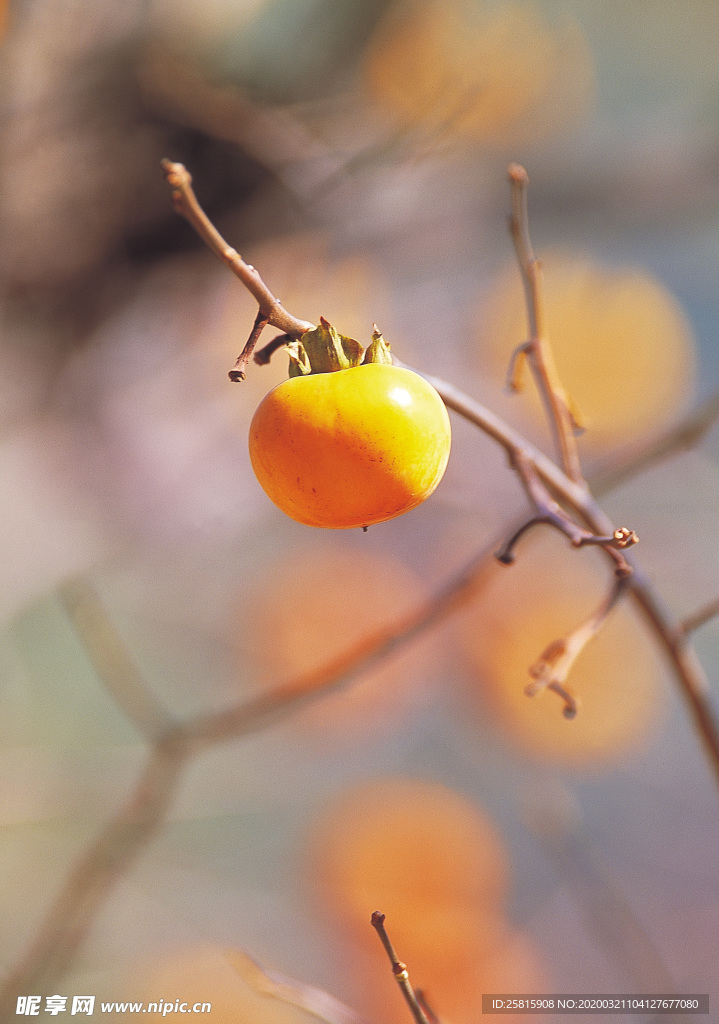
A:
x: 351, y: 447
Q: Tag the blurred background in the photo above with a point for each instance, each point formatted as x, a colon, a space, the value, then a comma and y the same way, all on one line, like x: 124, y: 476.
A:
x: 355, y: 152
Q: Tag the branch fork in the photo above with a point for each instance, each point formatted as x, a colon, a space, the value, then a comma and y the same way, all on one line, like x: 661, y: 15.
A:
x: 549, y: 511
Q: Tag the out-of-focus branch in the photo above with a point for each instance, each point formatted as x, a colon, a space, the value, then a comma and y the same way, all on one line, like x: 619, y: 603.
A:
x: 699, y: 618
x: 275, y: 704
x: 605, y: 908
x: 94, y: 875
x: 125, y: 836
x: 686, y: 435
x: 427, y: 1009
x: 399, y: 970
x: 315, y: 1001
x: 272, y: 135
x: 535, y: 351
x: 111, y: 659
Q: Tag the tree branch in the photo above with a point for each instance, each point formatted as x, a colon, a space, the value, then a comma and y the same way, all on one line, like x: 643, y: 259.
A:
x: 94, y: 875
x: 399, y: 970
x: 536, y: 350
x: 699, y: 618
x: 686, y: 435
x: 567, y: 487
x: 549, y: 511
x: 555, y: 663
x: 185, y: 203
x: 239, y: 370
x: 315, y: 1001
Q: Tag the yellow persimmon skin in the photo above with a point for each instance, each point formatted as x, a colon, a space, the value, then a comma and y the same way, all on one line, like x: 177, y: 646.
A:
x: 350, y: 448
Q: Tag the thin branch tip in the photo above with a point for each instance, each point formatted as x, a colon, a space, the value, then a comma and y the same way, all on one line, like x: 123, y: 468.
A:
x: 517, y: 174
x: 399, y: 970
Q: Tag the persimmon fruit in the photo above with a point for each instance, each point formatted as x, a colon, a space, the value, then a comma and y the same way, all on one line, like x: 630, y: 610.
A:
x: 358, y: 445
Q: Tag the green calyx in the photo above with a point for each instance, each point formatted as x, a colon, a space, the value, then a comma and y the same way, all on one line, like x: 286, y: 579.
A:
x: 325, y: 350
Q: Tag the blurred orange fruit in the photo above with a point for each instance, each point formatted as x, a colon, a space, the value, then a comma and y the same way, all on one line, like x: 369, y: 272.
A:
x: 617, y: 678
x: 621, y: 342
x: 500, y: 76
x: 205, y: 973
x: 316, y: 606
x: 432, y: 862
x: 413, y: 850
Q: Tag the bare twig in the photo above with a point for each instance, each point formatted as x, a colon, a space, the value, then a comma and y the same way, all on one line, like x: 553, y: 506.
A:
x: 552, y: 668
x: 399, y: 970
x: 536, y: 351
x: 186, y: 204
x: 239, y: 370
x: 686, y: 668
x: 550, y: 512
x: 263, y: 355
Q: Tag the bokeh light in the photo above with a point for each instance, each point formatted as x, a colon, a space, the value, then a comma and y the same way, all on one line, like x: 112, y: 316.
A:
x: 436, y: 866
x: 312, y: 610
x: 622, y: 344
x: 499, y: 75
x: 617, y: 678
